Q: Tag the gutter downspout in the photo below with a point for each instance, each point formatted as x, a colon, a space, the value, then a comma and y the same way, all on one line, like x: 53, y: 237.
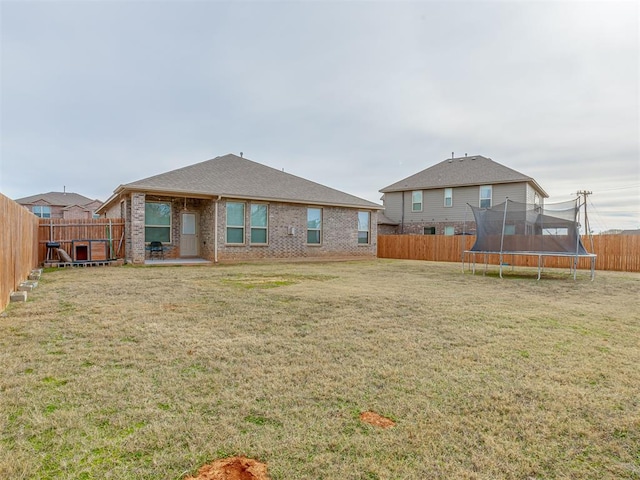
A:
x: 215, y: 229
x: 402, y: 218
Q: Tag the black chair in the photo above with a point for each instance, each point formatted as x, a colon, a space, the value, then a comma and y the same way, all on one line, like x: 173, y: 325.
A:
x: 157, y: 248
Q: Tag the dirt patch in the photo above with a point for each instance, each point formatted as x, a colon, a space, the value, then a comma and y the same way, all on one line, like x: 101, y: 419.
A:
x: 235, y: 468
x: 374, y: 419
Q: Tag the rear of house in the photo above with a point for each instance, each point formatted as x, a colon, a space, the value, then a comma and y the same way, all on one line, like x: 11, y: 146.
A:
x: 231, y: 208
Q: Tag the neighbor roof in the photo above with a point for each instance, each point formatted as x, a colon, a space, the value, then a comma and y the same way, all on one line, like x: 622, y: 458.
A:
x: 57, y: 199
x: 462, y: 171
x: 236, y: 177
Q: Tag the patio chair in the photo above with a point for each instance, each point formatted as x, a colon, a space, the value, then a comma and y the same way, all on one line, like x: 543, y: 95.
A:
x: 157, y: 248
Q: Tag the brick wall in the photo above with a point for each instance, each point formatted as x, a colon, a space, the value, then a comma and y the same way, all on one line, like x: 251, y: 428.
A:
x: 417, y: 228
x: 136, y: 227
x: 287, y: 232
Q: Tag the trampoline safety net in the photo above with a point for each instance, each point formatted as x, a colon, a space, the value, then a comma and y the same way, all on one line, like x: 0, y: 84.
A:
x: 513, y: 227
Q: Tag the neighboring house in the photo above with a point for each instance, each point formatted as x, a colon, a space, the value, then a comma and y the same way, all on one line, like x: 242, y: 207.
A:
x: 60, y: 205
x: 233, y: 208
x: 434, y: 201
x: 386, y: 226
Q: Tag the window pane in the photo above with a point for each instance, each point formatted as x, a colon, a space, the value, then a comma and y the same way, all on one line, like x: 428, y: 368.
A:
x: 314, y: 218
x: 363, y: 221
x: 157, y: 213
x: 485, y: 196
x: 235, y: 235
x: 449, y: 230
x: 157, y: 234
x: 448, y: 197
x: 258, y: 235
x: 258, y: 215
x: 416, y: 201
x: 235, y: 214
x: 313, y: 236
x: 509, y: 229
x: 363, y: 237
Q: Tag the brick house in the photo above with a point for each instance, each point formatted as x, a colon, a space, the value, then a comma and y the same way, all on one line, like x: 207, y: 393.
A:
x: 233, y: 208
x: 60, y: 205
x: 434, y: 200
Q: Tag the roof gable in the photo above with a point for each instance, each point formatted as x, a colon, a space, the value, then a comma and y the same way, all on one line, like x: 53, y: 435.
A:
x: 56, y: 199
x: 461, y: 171
x: 236, y: 177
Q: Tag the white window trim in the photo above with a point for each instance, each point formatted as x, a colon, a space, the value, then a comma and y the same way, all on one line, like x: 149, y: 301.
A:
x: 490, y: 198
x: 40, y: 212
x: 449, y: 190
x: 368, y: 242
x: 227, y: 226
x: 421, y: 201
x: 170, y: 226
x: 314, y: 229
x: 265, y: 228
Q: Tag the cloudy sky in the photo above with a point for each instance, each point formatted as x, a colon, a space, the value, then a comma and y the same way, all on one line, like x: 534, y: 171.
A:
x: 353, y: 95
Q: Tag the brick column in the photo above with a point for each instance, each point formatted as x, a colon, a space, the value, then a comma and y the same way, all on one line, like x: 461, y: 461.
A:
x: 137, y: 227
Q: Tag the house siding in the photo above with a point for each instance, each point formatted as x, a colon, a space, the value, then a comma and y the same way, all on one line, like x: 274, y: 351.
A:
x: 435, y: 214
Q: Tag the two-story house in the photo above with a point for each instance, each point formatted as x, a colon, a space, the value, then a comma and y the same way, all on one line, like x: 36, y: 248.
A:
x: 60, y: 205
x: 434, y: 201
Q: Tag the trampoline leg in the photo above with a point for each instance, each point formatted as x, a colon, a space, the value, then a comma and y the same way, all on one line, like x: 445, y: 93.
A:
x: 539, y: 266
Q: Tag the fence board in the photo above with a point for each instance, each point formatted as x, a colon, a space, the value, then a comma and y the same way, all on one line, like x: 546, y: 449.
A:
x: 65, y: 231
x: 615, y: 252
x: 18, y: 246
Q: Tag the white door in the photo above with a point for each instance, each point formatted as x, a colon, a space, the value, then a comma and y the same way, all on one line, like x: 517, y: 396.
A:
x: 189, y: 235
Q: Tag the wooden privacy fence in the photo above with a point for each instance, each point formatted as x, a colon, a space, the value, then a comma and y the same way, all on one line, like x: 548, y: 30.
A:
x: 615, y: 252
x: 108, y: 231
x: 18, y: 246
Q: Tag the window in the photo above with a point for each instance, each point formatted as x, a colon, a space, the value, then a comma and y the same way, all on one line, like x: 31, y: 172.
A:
x: 314, y: 226
x: 363, y: 227
x: 509, y: 229
x: 157, y: 222
x: 42, y: 211
x: 235, y: 222
x: 485, y: 196
x: 259, y: 215
x: 429, y: 230
x: 555, y: 231
x: 449, y: 230
x: 448, y: 197
x: 416, y: 201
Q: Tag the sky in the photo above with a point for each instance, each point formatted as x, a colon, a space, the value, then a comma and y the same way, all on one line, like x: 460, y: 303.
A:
x: 354, y: 95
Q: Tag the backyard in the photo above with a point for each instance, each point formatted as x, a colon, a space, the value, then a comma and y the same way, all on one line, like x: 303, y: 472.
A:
x: 152, y: 372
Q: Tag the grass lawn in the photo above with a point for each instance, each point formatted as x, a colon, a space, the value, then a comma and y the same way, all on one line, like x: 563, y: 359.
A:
x: 151, y: 372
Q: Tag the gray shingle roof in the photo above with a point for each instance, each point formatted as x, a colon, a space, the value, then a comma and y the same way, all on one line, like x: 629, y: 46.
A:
x: 237, y: 177
x: 56, y: 198
x: 461, y: 171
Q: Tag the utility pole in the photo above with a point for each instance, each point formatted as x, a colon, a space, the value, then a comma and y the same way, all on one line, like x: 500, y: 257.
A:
x: 587, y: 229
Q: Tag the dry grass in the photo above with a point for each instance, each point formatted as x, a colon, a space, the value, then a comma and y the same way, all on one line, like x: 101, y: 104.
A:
x: 148, y: 373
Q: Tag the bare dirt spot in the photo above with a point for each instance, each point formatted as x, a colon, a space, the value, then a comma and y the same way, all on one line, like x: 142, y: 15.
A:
x: 376, y: 420
x: 234, y: 468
